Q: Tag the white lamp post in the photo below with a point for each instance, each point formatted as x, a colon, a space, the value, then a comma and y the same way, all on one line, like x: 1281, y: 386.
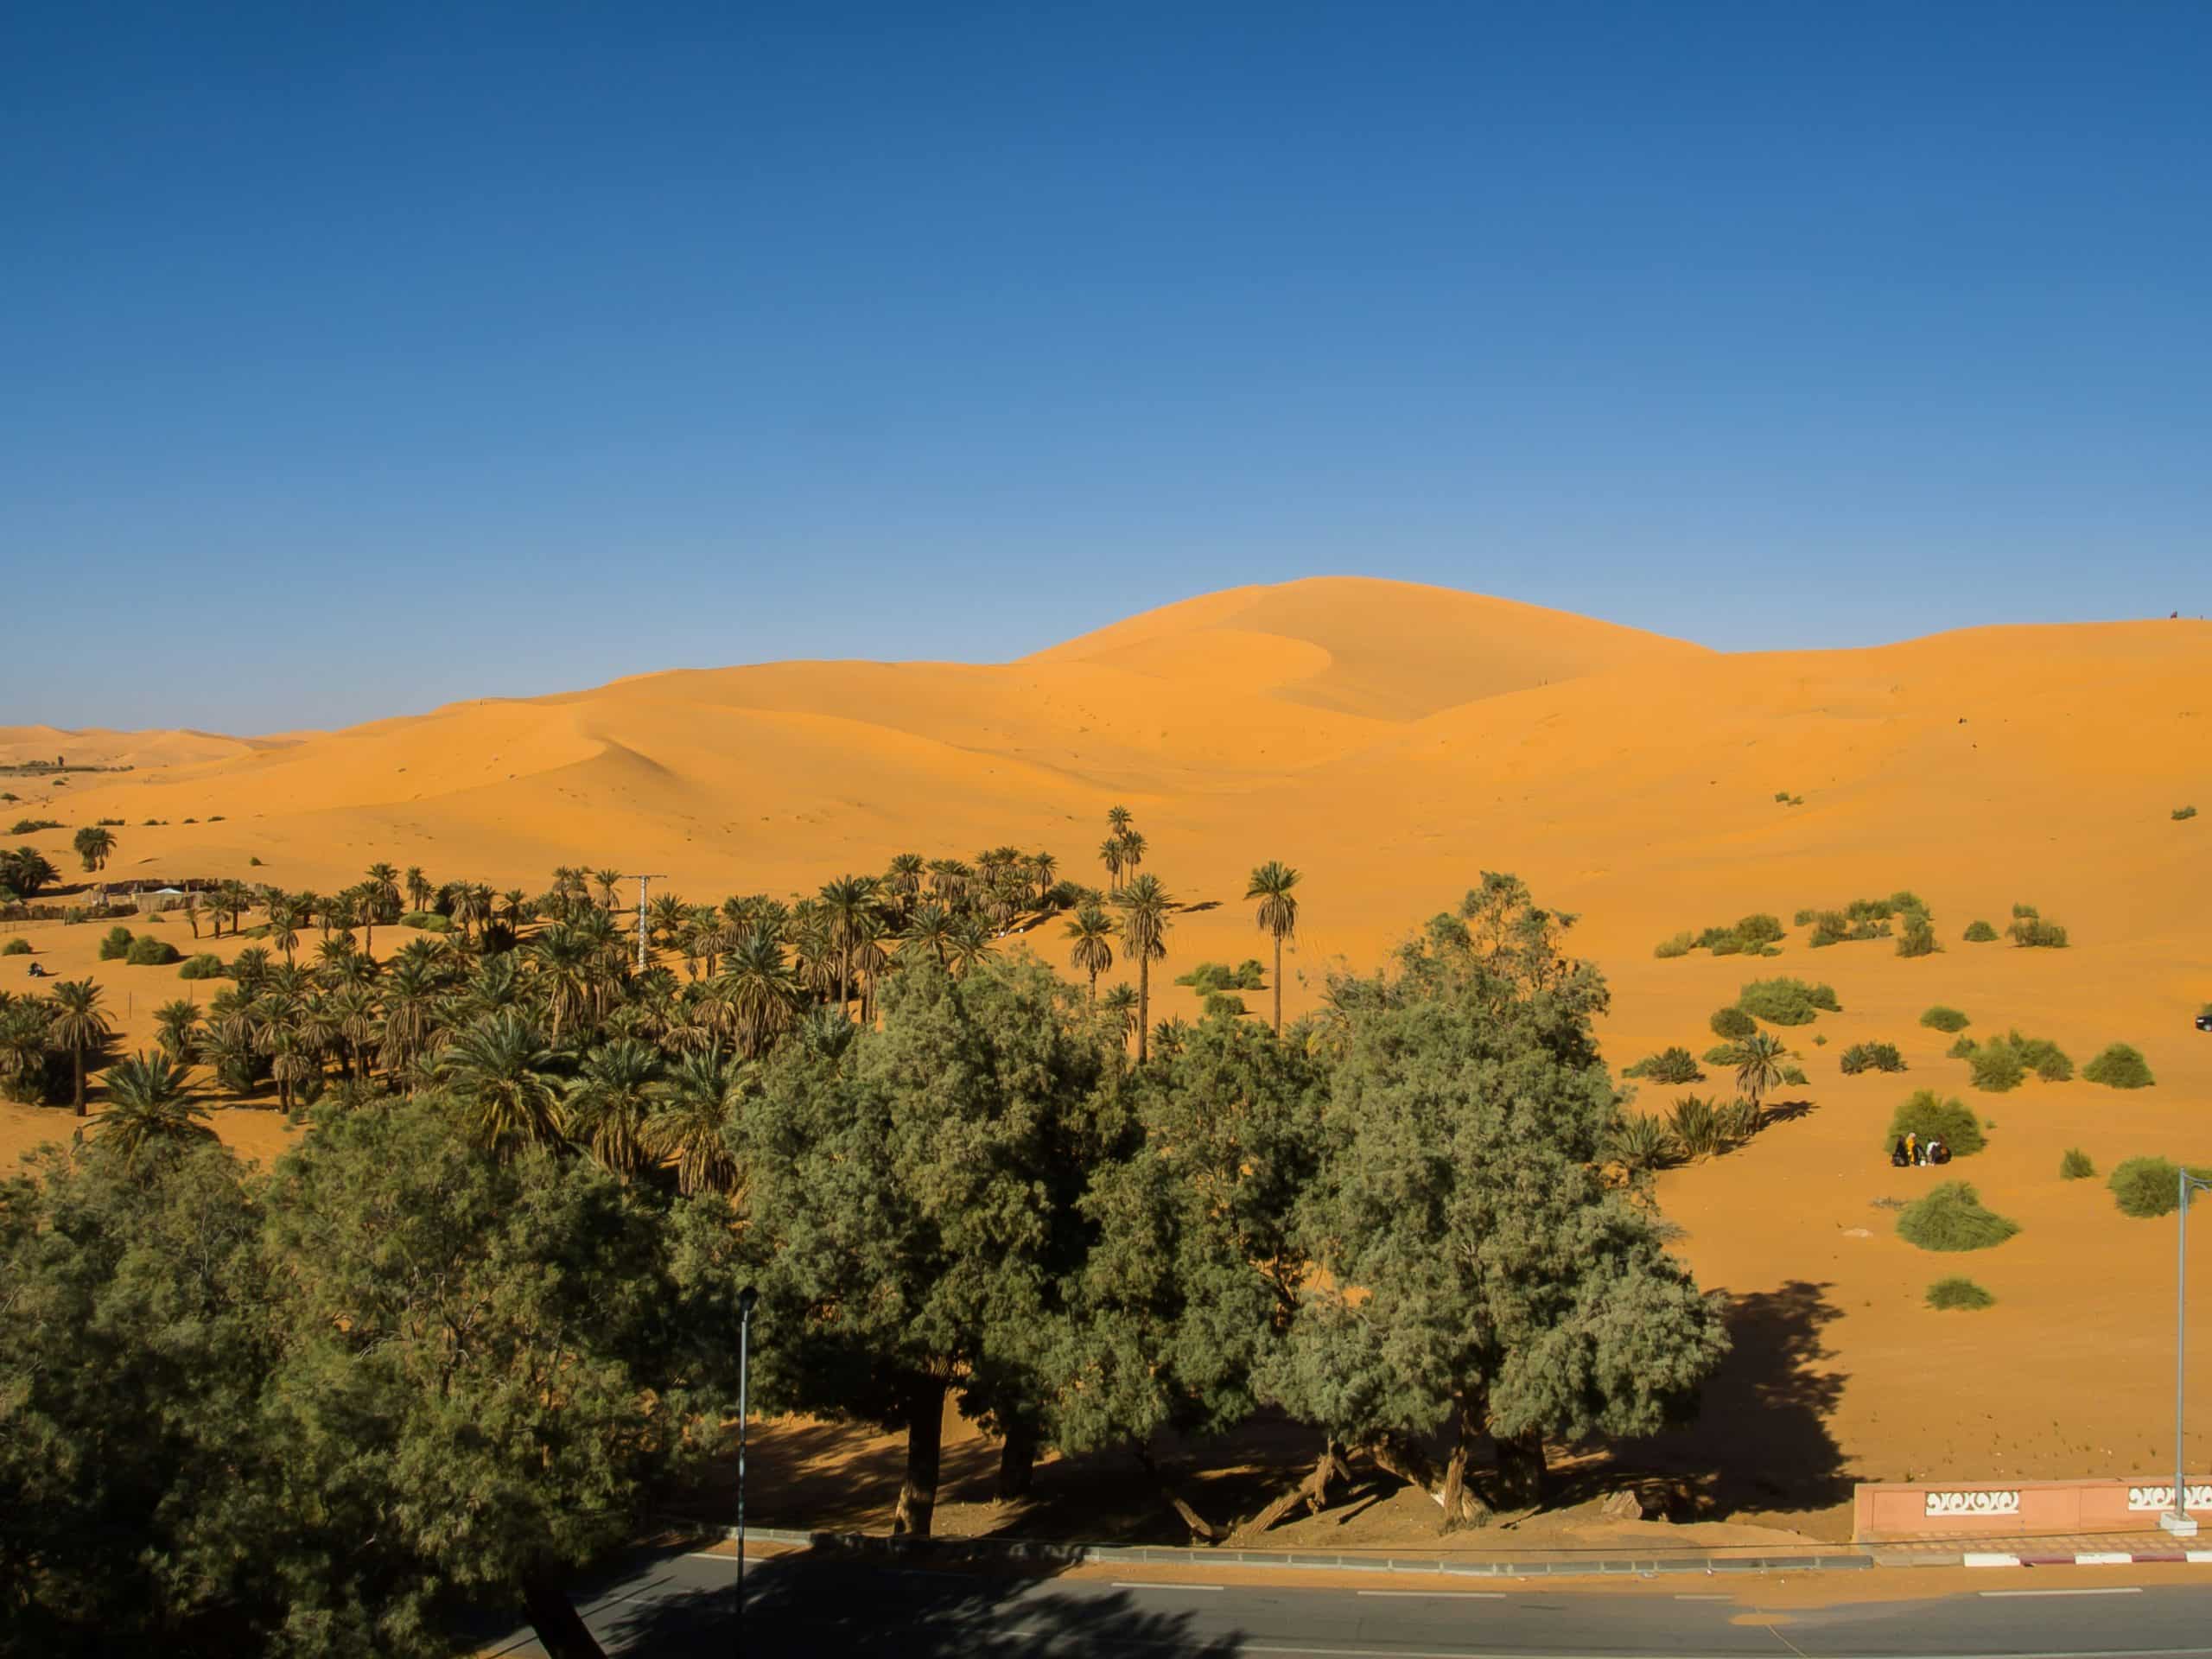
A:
x: 2175, y: 1519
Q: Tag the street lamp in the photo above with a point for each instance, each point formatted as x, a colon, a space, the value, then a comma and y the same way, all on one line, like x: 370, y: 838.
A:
x: 2176, y: 1519
x: 745, y: 1298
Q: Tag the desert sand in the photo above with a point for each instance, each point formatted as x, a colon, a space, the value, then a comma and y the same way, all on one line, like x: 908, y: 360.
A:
x: 1392, y: 742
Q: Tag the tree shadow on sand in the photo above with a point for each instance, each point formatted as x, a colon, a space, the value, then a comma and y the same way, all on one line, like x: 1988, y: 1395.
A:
x: 809, y: 1603
x: 1761, y: 1439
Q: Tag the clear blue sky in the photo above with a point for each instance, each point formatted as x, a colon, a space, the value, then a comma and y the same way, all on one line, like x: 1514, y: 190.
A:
x: 357, y: 358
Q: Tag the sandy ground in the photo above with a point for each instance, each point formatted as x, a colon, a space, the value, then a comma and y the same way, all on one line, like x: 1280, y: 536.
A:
x: 1392, y: 742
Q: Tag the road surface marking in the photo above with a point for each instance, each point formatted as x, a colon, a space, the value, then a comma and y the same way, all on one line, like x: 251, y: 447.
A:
x: 1442, y: 1595
x: 2087, y: 1590
x: 1717, y: 1598
x: 1164, y: 1584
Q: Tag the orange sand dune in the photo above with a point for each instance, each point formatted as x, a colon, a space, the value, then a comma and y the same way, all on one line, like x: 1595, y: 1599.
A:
x: 1393, y: 741
x: 96, y: 747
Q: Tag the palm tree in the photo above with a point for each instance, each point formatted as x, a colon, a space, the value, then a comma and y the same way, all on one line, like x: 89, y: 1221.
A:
x: 26, y: 1035
x: 1120, y: 1005
x: 354, y: 1011
x: 698, y: 1102
x: 1132, y: 845
x: 1109, y: 854
x: 94, y: 845
x: 1759, y: 1067
x: 608, y: 1101
x: 1144, y: 904
x: 1118, y: 819
x: 1043, y: 868
x: 410, y: 994
x: 497, y: 1068
x: 380, y: 887
x: 191, y: 908
x: 514, y: 910
x: 1094, y: 952
x: 147, y: 1108
x: 904, y: 881
x: 1271, y: 885
x: 756, y: 992
x: 949, y: 880
x: 78, y: 1024
x: 666, y: 924
x: 418, y: 889
x: 930, y: 928
x: 844, y: 902
x: 567, y: 972
x: 471, y: 905
x: 606, y: 881
x: 283, y: 929
x: 176, y: 1025
x: 967, y: 943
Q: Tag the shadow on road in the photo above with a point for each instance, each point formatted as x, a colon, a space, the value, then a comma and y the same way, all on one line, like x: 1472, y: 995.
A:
x: 809, y: 1605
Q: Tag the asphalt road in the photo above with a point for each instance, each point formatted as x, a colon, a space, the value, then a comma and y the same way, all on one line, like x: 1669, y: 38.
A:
x: 681, y: 1606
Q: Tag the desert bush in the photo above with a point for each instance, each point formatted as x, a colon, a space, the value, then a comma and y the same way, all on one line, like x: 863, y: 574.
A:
x: 1727, y: 945
x: 1872, y: 1057
x: 1732, y: 1024
x: 2074, y: 1165
x: 2038, y: 934
x: 1786, y: 1002
x: 1960, y: 1292
x: 2148, y: 1187
x: 206, y: 965
x: 1795, y: 1076
x: 1820, y: 1039
x: 1979, y: 933
x: 427, y: 920
x: 1961, y: 1050
x: 1759, y: 928
x: 2025, y: 913
x: 16, y: 948
x: 1640, y: 1143
x: 1996, y: 1068
x: 148, y: 951
x: 1728, y: 1055
x: 1928, y: 1114
x: 32, y: 826
x: 1669, y: 1065
x: 1696, y: 1128
x: 1677, y: 945
x: 2119, y: 1067
x: 1939, y: 1018
x: 116, y: 944
x: 2001, y: 1063
x: 1916, y: 935
x: 1219, y: 1005
x: 1953, y: 1218
x: 2182, y: 813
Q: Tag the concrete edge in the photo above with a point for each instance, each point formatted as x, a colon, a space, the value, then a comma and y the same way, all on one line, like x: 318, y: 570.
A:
x: 1016, y: 1552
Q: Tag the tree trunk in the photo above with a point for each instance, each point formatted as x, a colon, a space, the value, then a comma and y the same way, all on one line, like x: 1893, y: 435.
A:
x: 78, y: 1055
x: 1461, y: 1506
x: 1144, y: 1005
x: 561, y: 1629
x: 1278, y: 984
x: 1201, y: 1529
x: 1312, y: 1491
x: 924, y: 1440
x: 1523, y: 1475
x: 1017, y: 1458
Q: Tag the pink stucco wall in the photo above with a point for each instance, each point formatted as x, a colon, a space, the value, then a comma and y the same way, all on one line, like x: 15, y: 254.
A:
x: 1928, y: 1509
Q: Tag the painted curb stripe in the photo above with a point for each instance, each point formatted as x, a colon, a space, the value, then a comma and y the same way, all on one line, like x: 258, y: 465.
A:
x: 1980, y: 1558
x: 2103, y: 1558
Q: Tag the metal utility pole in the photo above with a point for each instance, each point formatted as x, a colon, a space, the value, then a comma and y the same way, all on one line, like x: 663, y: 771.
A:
x: 745, y: 1298
x: 642, y: 880
x: 2175, y: 1519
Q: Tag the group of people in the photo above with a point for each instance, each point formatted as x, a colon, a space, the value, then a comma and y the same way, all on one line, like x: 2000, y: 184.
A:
x: 1911, y: 1149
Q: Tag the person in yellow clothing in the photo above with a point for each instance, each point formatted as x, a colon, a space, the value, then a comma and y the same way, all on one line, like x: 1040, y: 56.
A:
x: 1912, y: 1148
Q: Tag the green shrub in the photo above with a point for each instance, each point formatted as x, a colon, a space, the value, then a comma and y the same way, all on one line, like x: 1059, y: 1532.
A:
x: 1678, y: 944
x: 1952, y: 1217
x: 1221, y: 1006
x: 1782, y: 795
x: 1979, y: 933
x: 150, y: 952
x: 1728, y: 945
x: 427, y: 920
x: 1795, y: 1076
x: 1669, y: 1065
x: 1872, y: 1057
x: 1733, y: 1024
x: 16, y: 948
x: 1939, y: 1018
x: 206, y: 965
x: 2074, y: 1165
x: 1961, y: 1050
x: 1997, y: 1068
x: 1726, y: 1056
x: 1759, y: 928
x: 1738, y: 1122
x: 254, y: 859
x: 2024, y: 912
x: 1916, y: 935
x: 1958, y: 1292
x: 2119, y: 1067
x: 1804, y: 917
x: 32, y: 826
x: 1820, y: 1039
x: 1928, y: 1114
x: 2034, y: 933
x: 1696, y: 1128
x: 2148, y: 1187
x: 116, y: 944
x: 1786, y: 1002
x: 2182, y: 814
x: 1641, y: 1143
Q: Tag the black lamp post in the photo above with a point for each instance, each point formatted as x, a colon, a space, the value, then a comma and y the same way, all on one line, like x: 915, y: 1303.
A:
x: 745, y: 1298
